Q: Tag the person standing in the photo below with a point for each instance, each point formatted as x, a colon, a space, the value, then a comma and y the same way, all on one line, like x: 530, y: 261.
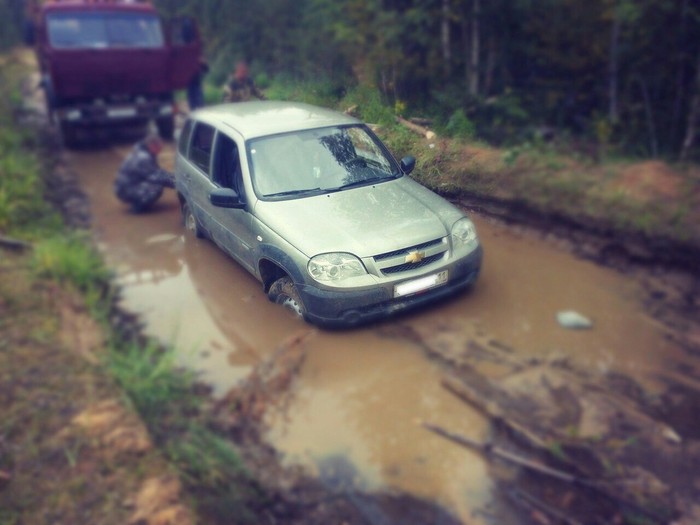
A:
x: 195, y: 92
x: 240, y: 87
x: 140, y: 180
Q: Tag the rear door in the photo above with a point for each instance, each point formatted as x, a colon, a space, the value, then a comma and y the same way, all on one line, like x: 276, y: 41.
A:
x: 197, y: 174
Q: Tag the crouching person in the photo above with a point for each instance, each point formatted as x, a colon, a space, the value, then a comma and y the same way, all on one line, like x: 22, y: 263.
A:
x: 140, y: 180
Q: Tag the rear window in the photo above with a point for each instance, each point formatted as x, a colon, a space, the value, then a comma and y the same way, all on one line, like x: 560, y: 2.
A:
x: 104, y: 30
x: 201, y: 146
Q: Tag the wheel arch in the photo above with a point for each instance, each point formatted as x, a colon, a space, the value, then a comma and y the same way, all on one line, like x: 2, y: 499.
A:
x: 275, y: 264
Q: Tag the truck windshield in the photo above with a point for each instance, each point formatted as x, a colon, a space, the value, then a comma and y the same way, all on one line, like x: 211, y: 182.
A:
x: 104, y: 30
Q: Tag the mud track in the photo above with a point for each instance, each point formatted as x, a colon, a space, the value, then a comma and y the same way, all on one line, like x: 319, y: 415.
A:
x: 666, y: 425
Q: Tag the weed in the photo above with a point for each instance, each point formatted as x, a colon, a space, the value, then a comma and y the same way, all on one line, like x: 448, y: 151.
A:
x: 216, y: 469
x: 459, y: 126
x: 148, y: 376
x: 69, y: 258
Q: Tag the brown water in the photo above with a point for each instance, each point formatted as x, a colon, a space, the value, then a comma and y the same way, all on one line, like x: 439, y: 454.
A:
x: 361, y: 395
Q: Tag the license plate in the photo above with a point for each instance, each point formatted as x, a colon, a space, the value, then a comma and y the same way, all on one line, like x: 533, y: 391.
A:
x: 419, y: 285
x: 121, y: 112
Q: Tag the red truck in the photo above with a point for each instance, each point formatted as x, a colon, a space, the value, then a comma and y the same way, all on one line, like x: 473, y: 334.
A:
x: 111, y: 62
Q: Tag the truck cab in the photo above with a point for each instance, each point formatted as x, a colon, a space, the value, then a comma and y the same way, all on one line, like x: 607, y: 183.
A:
x: 112, y: 62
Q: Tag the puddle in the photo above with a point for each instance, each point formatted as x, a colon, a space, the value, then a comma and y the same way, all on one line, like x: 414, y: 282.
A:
x: 360, y: 395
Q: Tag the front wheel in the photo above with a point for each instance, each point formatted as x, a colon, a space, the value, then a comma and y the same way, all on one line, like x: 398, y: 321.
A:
x: 285, y: 293
x: 190, y: 221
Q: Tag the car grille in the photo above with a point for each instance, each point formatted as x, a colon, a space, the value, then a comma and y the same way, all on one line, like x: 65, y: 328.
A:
x: 394, y: 262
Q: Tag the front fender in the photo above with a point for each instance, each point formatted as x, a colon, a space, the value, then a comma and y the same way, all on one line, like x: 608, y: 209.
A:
x: 280, y: 259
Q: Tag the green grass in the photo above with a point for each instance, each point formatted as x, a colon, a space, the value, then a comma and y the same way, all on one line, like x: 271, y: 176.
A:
x: 147, y: 375
x: 23, y: 211
x: 69, y: 258
x: 208, y: 464
x: 162, y: 394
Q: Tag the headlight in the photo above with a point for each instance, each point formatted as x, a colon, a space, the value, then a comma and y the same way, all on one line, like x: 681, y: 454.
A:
x: 335, y: 267
x: 463, y: 232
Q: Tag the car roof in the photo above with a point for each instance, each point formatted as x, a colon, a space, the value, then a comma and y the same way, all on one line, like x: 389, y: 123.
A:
x: 260, y: 118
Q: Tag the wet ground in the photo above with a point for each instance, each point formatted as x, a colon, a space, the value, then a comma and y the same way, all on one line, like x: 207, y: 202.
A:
x: 361, y: 393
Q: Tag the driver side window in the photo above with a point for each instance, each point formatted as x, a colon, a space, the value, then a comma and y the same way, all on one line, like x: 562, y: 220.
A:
x: 227, y: 164
x: 201, y: 146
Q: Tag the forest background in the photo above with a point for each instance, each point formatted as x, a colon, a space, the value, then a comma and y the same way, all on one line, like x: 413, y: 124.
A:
x: 624, y: 74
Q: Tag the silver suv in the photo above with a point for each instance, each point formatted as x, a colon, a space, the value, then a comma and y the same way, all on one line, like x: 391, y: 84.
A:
x: 311, y: 203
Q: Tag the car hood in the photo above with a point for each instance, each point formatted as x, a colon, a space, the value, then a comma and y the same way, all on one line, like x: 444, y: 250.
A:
x: 364, y: 221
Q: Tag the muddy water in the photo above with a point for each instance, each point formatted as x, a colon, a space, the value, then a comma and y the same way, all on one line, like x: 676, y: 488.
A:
x: 360, y: 395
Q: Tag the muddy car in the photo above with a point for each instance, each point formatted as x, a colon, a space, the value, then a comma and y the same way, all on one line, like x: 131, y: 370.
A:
x: 311, y: 203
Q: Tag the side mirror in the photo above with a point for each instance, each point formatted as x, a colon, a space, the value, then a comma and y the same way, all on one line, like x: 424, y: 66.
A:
x: 407, y: 164
x: 226, y: 198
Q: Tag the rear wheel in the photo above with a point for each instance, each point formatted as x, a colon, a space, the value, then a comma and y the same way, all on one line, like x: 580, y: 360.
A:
x: 284, y: 292
x: 190, y: 221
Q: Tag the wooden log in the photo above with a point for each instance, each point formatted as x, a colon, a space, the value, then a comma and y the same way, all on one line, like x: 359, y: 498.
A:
x: 491, y: 409
x: 491, y: 450
x: 13, y: 244
x: 420, y: 130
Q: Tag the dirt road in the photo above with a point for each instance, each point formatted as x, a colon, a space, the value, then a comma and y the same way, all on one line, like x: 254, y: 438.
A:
x: 360, y: 393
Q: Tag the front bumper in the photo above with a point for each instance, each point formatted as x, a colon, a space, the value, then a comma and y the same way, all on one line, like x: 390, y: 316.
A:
x: 91, y: 114
x: 345, y: 309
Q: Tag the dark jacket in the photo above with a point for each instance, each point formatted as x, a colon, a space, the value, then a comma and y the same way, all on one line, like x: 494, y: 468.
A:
x: 140, y: 180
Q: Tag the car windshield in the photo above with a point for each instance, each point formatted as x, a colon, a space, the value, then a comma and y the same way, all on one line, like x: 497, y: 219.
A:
x: 318, y: 161
x: 104, y: 30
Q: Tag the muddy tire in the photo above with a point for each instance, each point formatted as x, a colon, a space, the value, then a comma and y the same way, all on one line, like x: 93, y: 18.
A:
x: 284, y: 292
x: 190, y: 222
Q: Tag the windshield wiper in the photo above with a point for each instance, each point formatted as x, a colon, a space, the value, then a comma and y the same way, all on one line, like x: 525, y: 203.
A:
x: 294, y: 192
x: 364, y: 182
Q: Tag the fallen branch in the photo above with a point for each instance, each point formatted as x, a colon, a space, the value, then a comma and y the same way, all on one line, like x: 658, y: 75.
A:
x: 528, y: 499
x: 425, y: 132
x: 13, y: 244
x: 491, y: 410
x: 490, y: 450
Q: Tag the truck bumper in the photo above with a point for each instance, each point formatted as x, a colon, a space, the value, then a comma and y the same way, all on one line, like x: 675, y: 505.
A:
x: 101, y: 115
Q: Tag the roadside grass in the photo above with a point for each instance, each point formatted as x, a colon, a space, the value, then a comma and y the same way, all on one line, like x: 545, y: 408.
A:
x: 208, y: 464
x: 69, y: 258
x: 163, y: 395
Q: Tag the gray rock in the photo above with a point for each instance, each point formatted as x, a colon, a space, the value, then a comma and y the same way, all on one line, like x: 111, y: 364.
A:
x: 573, y: 320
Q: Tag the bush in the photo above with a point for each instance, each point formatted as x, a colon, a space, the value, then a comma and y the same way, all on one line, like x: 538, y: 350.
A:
x: 459, y: 126
x: 320, y: 92
x: 370, y: 106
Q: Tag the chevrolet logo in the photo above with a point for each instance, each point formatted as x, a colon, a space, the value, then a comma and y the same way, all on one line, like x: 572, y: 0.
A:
x: 414, y: 257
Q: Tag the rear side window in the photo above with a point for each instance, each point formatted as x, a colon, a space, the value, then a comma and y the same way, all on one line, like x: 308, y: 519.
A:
x: 201, y: 146
x: 184, y: 139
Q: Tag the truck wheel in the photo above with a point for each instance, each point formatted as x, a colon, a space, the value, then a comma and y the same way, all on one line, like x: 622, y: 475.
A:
x: 190, y: 221
x: 166, y: 127
x: 285, y: 293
